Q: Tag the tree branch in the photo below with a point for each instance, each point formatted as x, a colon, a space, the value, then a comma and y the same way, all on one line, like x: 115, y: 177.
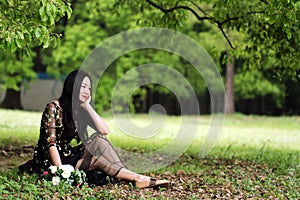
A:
x: 265, y: 1
x: 209, y: 18
x: 199, y: 8
x: 206, y: 16
x: 240, y: 17
x: 167, y: 10
x: 224, y: 35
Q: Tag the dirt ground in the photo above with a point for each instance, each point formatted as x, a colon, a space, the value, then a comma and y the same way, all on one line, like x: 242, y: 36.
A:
x: 222, y: 179
x: 13, y: 155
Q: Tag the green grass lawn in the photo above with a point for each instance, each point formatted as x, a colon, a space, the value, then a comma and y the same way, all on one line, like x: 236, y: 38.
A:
x: 253, y: 157
x: 239, y: 131
x: 19, y: 126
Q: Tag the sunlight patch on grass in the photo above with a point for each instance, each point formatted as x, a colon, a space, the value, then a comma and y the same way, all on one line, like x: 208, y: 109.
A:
x: 238, y: 131
x: 163, y: 137
x: 255, y: 131
x: 18, y: 126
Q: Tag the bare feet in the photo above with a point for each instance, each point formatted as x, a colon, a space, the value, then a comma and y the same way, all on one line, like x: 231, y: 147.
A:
x: 147, y: 182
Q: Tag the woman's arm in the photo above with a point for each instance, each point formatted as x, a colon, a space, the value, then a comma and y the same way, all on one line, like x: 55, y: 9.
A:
x: 54, y: 156
x: 99, y: 123
x: 50, y: 125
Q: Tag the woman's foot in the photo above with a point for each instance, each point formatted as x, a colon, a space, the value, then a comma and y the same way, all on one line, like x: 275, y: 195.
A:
x: 148, y: 182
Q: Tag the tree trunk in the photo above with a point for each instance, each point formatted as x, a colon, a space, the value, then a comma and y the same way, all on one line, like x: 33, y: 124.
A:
x: 38, y: 65
x: 12, y: 100
x: 149, y: 98
x: 229, y: 99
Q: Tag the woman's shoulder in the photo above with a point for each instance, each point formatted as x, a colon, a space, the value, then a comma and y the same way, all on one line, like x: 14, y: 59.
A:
x: 53, y: 103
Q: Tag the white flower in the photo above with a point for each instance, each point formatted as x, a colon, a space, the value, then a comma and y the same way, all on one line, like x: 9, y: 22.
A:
x: 55, y: 180
x: 66, y: 168
x: 66, y: 174
x: 53, y: 169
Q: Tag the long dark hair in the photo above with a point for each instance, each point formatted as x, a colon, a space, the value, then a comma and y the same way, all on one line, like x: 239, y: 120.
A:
x: 69, y: 99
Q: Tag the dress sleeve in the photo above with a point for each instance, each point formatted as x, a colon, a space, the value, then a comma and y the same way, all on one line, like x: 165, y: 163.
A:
x: 49, y: 123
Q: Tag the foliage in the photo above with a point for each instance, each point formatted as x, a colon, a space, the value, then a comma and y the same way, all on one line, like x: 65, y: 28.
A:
x: 75, y: 46
x: 28, y: 23
x: 253, y: 28
x: 24, y: 25
x: 146, y: 58
x: 15, y: 70
x: 154, y: 17
x: 89, y: 26
x: 271, y: 27
x: 248, y: 87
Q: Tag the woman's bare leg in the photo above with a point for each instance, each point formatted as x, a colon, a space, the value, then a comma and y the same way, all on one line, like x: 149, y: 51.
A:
x: 141, y: 181
x: 101, y: 155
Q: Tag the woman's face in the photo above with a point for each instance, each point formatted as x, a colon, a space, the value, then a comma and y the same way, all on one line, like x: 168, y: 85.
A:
x: 85, y: 89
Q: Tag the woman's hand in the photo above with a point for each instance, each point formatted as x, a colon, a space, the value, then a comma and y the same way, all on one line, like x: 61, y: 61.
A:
x: 85, y: 104
x: 99, y: 123
x: 54, y: 156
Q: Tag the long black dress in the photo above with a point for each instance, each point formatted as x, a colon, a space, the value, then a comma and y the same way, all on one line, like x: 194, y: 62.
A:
x: 94, y: 154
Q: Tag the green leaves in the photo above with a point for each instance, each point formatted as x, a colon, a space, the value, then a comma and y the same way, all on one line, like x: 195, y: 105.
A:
x: 14, y: 70
x: 28, y: 23
x: 252, y: 84
x: 266, y: 25
x: 297, y: 5
x: 50, y: 11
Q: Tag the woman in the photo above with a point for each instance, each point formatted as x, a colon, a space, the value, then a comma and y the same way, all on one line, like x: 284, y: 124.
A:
x: 66, y: 119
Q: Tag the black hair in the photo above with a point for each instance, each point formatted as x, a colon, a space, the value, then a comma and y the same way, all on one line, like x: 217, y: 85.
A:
x: 69, y: 99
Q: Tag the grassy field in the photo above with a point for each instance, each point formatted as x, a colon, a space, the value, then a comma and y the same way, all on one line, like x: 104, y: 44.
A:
x: 238, y: 131
x: 254, y: 157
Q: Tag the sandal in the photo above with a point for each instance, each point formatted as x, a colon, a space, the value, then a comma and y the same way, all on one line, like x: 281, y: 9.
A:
x: 154, y: 183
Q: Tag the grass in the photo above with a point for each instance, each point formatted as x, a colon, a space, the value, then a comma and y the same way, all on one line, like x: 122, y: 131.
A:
x: 258, y: 155
x: 239, y: 131
x: 19, y: 126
